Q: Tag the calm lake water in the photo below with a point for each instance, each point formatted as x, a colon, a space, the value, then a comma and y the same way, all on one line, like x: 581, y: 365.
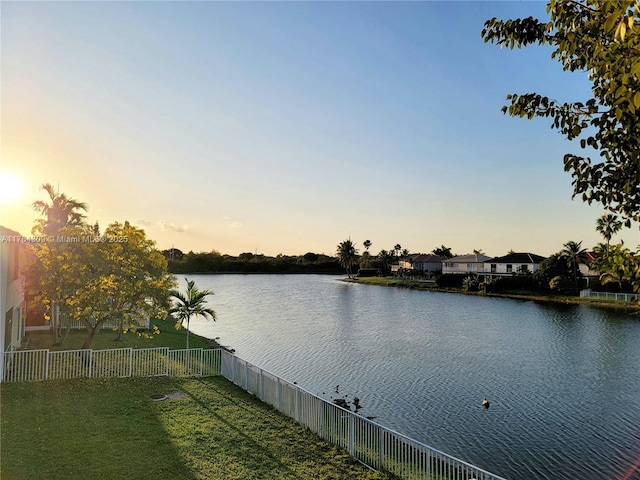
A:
x: 563, y: 380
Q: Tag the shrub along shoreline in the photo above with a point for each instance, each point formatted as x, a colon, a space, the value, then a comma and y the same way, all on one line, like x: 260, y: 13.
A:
x: 520, y: 295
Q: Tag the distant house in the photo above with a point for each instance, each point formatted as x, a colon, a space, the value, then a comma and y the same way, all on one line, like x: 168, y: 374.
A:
x: 512, y: 264
x: 464, y: 264
x: 585, y: 266
x: 11, y: 293
x: 419, y: 262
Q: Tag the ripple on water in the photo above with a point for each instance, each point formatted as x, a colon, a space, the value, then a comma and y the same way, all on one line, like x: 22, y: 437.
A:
x: 563, y: 381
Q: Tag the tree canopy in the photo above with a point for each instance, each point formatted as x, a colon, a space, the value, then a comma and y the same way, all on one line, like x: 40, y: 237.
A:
x: 60, y: 211
x: 93, y: 278
x: 601, y: 39
x: 620, y: 265
x: 443, y: 251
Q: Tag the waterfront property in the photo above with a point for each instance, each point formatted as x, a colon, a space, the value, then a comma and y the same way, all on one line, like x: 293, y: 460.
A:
x: 464, y: 264
x: 365, y: 440
x: 424, y: 263
x: 512, y: 263
x: 483, y: 266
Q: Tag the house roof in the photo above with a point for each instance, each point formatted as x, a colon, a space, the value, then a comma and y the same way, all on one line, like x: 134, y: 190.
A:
x: 590, y: 257
x: 426, y: 258
x: 472, y: 258
x: 519, y: 258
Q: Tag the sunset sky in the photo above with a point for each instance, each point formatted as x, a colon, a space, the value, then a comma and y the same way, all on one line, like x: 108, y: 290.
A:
x: 288, y: 127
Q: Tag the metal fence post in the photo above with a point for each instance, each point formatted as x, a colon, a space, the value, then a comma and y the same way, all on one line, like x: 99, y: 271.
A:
x: 246, y: 376
x: 381, y: 446
x: 352, y: 434
x: 233, y: 369
x: 261, y: 385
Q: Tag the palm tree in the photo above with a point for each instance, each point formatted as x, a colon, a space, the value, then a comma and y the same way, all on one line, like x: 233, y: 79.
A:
x: 192, y: 304
x: 347, y: 255
x: 61, y: 210
x: 608, y: 225
x: 396, y: 249
x: 574, y: 253
x: 443, y: 251
x: 367, y: 244
x: 384, y: 259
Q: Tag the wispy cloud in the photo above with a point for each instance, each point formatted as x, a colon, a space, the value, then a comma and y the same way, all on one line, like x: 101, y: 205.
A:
x: 232, y: 223
x: 171, y: 227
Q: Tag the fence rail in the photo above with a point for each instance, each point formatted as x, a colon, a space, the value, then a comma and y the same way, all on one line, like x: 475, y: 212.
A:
x: 369, y: 442
x: 34, y: 365
x: 620, y: 297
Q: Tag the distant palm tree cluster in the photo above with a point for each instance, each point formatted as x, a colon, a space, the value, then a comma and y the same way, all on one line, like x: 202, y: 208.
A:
x: 561, y: 272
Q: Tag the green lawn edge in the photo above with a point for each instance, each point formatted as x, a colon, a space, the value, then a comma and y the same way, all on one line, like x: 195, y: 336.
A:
x: 111, y: 428
x: 169, y: 336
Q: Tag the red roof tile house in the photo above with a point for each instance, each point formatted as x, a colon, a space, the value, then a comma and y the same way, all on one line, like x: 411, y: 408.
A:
x: 585, y: 266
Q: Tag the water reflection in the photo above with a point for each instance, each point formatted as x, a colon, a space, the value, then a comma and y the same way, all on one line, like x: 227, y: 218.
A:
x: 563, y: 380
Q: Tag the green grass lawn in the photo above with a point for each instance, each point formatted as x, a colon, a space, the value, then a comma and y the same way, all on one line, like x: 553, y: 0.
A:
x: 168, y: 337
x: 111, y: 429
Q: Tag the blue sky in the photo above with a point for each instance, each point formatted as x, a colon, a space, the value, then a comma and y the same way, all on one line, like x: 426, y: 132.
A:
x: 286, y: 127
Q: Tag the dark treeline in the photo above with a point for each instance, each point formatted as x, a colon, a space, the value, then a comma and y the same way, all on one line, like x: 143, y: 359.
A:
x: 215, y: 262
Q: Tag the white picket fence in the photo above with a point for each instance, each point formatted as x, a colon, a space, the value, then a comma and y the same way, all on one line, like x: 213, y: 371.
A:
x: 34, y: 365
x: 620, y: 297
x: 367, y: 441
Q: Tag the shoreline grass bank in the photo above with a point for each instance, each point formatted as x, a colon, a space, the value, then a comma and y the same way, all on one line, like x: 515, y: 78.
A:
x: 566, y: 300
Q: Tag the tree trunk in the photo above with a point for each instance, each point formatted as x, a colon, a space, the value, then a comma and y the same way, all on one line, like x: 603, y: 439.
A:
x: 66, y: 331
x: 119, y: 331
x: 188, y: 362
x: 187, y: 335
x: 93, y: 331
x: 54, y: 323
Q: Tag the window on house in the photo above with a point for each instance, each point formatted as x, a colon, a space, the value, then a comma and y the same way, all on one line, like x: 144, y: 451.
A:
x: 509, y: 268
x: 469, y: 267
x: 493, y: 268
